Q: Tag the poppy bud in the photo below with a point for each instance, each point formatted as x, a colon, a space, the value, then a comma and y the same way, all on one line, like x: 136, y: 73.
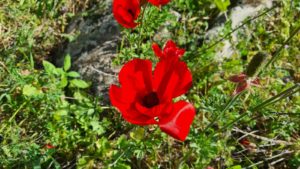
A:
x: 49, y: 146
x: 159, y: 2
x: 256, y: 63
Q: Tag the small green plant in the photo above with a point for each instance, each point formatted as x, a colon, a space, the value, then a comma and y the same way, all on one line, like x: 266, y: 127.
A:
x: 66, y: 78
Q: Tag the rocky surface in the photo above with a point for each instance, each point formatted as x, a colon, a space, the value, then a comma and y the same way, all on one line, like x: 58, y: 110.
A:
x: 94, y: 49
x: 237, y: 15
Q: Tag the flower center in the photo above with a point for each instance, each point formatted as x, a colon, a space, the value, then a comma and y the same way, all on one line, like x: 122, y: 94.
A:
x: 130, y: 12
x: 150, y: 100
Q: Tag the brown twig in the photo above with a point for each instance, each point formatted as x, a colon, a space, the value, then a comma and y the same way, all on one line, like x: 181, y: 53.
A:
x: 3, y: 65
x: 263, y: 138
x: 245, y: 135
x: 271, y: 158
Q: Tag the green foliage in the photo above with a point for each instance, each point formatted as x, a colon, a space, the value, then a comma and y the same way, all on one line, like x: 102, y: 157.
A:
x: 66, y: 78
x: 41, y: 104
x: 222, y: 4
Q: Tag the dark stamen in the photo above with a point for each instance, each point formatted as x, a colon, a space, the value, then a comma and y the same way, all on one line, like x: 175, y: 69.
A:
x: 150, y: 100
x: 130, y: 12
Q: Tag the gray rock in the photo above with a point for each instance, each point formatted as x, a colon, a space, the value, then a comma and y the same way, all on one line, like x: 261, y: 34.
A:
x: 96, y: 66
x: 94, y: 49
x: 238, y: 14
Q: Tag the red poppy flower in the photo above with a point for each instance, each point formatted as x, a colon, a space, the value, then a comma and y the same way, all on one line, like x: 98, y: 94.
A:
x: 144, y: 98
x: 247, y: 144
x: 243, y: 82
x: 170, y: 50
x: 159, y: 2
x: 126, y: 12
x: 49, y: 146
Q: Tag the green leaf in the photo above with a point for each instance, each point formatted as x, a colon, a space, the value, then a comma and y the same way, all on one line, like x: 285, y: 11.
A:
x: 122, y: 166
x: 67, y: 63
x: 137, y: 134
x: 97, y: 127
x: 73, y: 74
x: 235, y: 167
x: 63, y: 82
x: 60, y: 71
x: 79, y: 83
x: 222, y: 4
x: 29, y: 90
x: 49, y: 67
x: 58, y: 114
x: 70, y: 37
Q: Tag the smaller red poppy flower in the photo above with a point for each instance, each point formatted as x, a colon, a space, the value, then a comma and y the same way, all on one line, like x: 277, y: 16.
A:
x: 170, y: 50
x: 244, y: 142
x: 247, y: 144
x: 126, y: 12
x: 49, y: 146
x: 243, y: 82
x: 158, y: 3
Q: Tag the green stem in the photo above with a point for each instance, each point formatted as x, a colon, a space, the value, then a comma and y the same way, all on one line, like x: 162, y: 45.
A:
x: 280, y: 96
x: 237, y: 28
x: 277, y: 53
x: 141, y: 28
x: 16, y: 112
x: 13, y: 116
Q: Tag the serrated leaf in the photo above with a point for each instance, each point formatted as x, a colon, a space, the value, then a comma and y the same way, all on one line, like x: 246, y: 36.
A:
x: 79, y: 83
x: 67, y: 63
x: 97, y: 127
x: 73, y: 74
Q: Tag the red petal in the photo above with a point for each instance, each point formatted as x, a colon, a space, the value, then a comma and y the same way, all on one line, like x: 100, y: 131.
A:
x: 255, y: 82
x: 177, y: 123
x: 118, y: 98
x: 170, y: 44
x: 137, y: 75
x: 121, y: 99
x: 49, y: 146
x: 241, y: 87
x: 135, y: 117
x: 159, y: 2
x: 238, y: 78
x: 172, y: 51
x: 245, y: 142
x: 152, y: 112
x: 157, y: 51
x: 180, y: 52
x: 126, y: 12
x: 172, y: 78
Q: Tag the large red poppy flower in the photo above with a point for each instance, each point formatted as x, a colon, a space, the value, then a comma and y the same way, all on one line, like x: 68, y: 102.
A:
x: 159, y: 2
x: 145, y: 98
x: 170, y: 50
x: 126, y: 12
